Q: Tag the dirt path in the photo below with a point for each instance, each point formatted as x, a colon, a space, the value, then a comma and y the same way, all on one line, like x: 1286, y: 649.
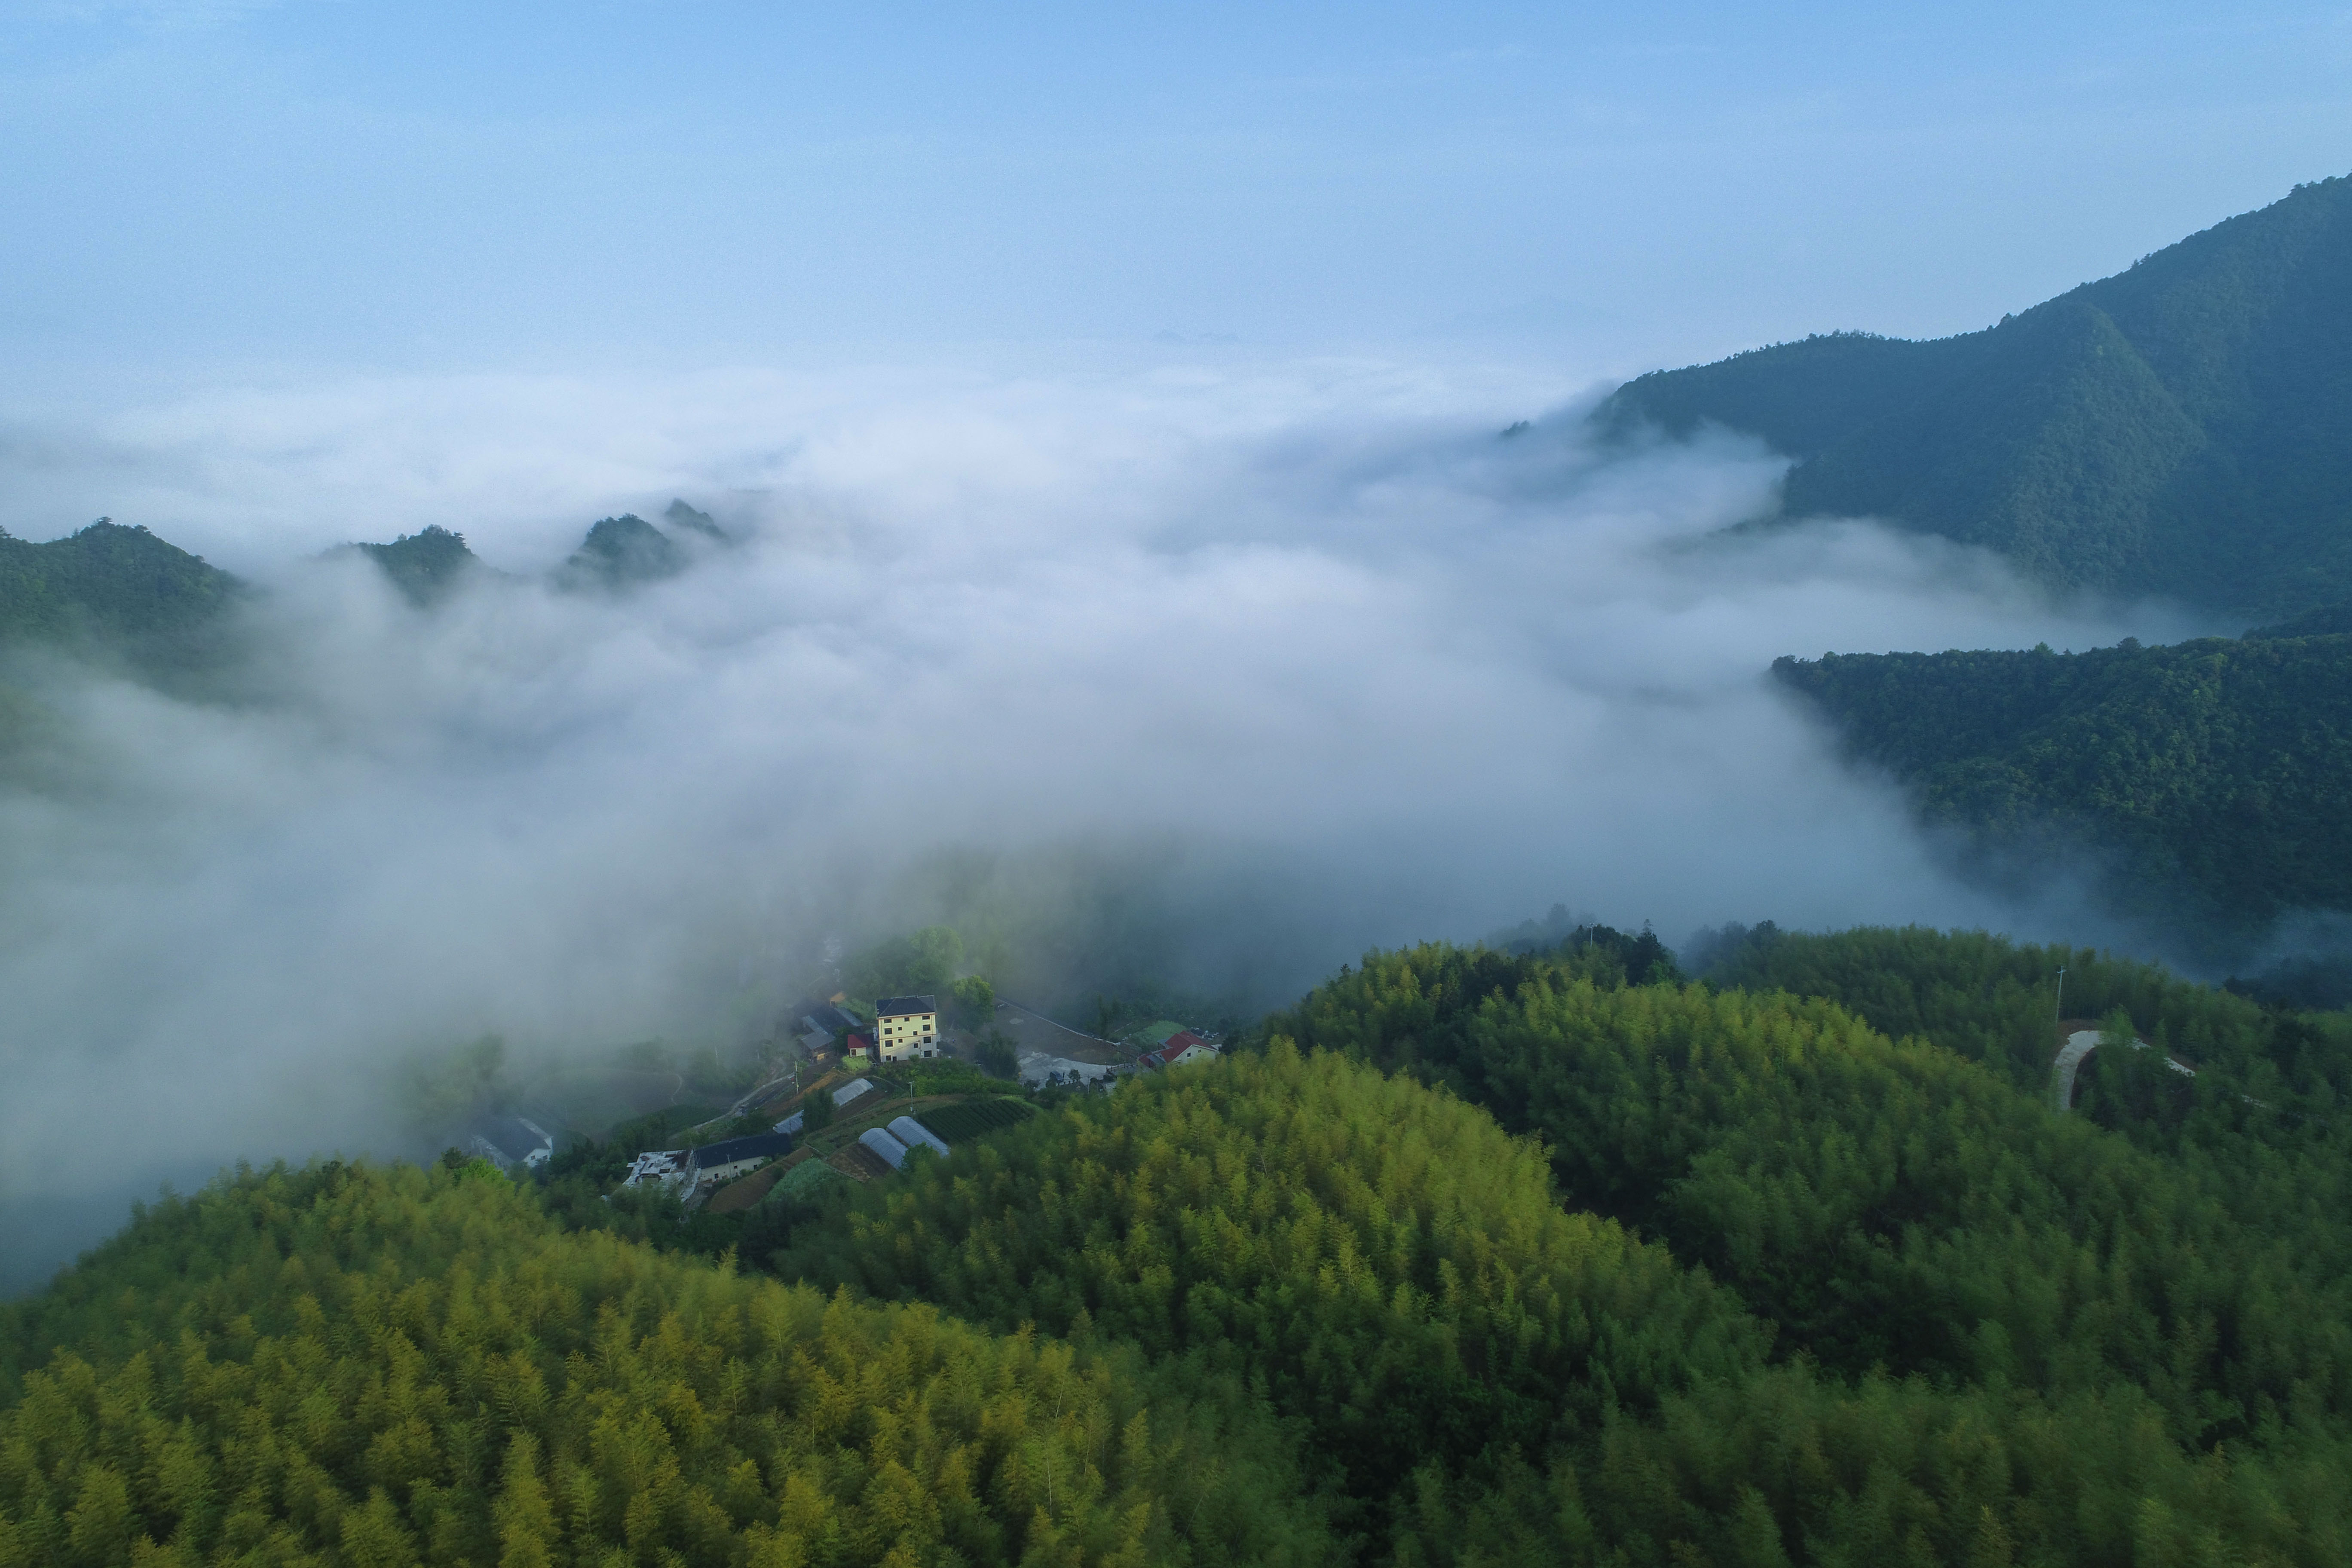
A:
x: 2077, y: 1039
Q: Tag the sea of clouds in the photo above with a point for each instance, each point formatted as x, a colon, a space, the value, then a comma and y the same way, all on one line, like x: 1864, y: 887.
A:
x: 1309, y: 647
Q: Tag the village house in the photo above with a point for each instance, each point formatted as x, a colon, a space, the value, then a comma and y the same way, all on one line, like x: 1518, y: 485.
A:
x: 1184, y: 1046
x: 905, y: 1027
x: 730, y: 1157
x: 513, y: 1143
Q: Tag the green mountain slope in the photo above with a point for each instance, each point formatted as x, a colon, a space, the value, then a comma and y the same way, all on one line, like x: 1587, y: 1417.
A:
x: 2176, y: 428
x: 352, y: 1366
x: 116, y: 593
x: 2214, y: 776
x: 1385, y: 1263
x: 1884, y: 1202
x: 1994, y: 1325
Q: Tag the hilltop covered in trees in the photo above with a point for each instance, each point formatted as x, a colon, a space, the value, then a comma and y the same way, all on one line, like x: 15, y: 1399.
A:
x: 118, y: 595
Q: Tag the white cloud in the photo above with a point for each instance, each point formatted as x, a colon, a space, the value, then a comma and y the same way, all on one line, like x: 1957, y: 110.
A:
x: 1310, y: 638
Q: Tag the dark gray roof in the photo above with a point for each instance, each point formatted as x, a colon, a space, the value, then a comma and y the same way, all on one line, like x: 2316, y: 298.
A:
x: 898, y: 1006
x: 726, y: 1150
x: 511, y: 1136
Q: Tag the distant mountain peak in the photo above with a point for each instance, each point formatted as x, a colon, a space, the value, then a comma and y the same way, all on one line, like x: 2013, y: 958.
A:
x: 621, y: 551
x: 694, y: 521
x: 426, y: 565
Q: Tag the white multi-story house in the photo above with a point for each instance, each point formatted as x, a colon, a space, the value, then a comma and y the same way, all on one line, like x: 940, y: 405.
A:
x: 905, y: 1027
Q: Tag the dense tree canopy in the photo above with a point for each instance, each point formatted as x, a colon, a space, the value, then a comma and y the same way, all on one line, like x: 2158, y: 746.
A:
x: 2209, y: 784
x: 346, y: 1365
x: 117, y: 592
x: 1885, y: 1203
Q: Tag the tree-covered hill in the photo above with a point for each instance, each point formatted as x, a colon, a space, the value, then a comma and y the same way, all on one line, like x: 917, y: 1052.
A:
x: 118, y: 593
x: 2176, y: 428
x: 1996, y: 1334
x: 426, y: 565
x: 2212, y: 779
x: 623, y: 550
x: 353, y: 1366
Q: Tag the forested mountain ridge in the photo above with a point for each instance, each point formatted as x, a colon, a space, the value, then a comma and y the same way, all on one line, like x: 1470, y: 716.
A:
x: 2213, y: 778
x: 118, y: 592
x: 2175, y: 428
x: 115, y: 592
x: 425, y: 566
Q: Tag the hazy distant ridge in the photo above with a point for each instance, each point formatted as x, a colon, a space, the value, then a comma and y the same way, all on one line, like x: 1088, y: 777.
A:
x: 2177, y: 428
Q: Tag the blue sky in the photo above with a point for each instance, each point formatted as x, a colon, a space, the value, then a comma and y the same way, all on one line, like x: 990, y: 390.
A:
x: 423, y: 187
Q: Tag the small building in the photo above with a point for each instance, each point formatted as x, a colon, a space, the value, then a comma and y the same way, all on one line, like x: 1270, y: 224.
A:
x: 888, y: 1150
x: 1184, y: 1046
x: 730, y: 1157
x: 905, y: 1027
x: 857, y: 1046
x: 512, y: 1142
x: 914, y: 1136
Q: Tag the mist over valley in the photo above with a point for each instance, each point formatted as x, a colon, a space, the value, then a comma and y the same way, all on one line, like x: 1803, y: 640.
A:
x: 1284, y: 677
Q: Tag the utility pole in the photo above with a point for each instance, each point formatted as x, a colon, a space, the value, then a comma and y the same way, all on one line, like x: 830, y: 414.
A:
x: 2059, y: 1011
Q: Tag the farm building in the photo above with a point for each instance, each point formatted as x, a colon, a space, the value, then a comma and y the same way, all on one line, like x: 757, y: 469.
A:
x: 1184, y: 1046
x: 512, y: 1142
x: 730, y: 1157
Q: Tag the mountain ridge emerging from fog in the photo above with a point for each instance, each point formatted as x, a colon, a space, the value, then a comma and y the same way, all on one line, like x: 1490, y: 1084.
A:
x: 116, y: 593
x: 425, y: 566
x: 2177, y: 428
x: 2212, y: 779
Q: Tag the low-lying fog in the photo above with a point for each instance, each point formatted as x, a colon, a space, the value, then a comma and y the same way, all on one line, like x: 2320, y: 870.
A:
x: 1302, y: 658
